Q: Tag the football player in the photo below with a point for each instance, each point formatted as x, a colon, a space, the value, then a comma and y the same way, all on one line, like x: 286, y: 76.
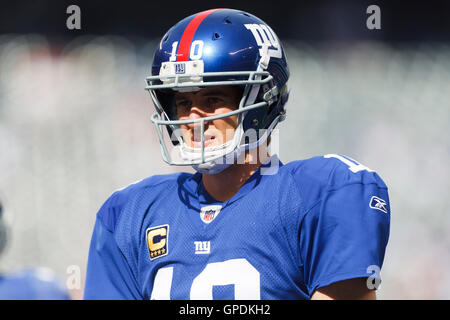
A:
x: 245, y: 225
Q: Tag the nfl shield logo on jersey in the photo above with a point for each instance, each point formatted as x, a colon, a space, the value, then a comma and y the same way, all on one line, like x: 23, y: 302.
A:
x: 209, y: 213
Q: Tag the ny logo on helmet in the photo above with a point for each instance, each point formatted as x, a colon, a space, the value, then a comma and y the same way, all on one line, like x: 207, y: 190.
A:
x: 180, y: 68
x: 265, y: 38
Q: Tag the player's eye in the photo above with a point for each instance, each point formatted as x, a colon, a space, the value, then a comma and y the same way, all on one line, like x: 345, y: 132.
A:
x: 183, y: 104
x: 214, y: 100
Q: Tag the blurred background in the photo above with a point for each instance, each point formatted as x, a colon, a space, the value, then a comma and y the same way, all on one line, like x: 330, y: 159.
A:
x: 75, y: 118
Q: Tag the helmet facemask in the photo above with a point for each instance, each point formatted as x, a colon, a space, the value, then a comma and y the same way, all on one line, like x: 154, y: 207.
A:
x: 220, y: 156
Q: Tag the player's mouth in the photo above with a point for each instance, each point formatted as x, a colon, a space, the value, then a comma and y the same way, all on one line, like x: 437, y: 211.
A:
x: 196, y: 140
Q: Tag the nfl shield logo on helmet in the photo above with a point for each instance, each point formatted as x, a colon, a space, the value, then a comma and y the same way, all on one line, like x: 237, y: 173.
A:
x: 209, y: 213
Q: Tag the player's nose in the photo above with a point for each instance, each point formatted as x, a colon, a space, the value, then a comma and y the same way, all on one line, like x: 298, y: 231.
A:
x: 195, y: 113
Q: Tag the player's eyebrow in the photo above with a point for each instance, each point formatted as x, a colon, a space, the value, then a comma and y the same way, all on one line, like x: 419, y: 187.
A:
x: 181, y: 96
x: 208, y: 93
x: 214, y: 93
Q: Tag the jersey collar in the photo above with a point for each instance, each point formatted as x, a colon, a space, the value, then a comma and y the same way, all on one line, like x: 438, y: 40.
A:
x: 267, y: 169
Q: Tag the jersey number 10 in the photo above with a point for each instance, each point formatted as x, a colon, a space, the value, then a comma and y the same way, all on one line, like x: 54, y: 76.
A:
x: 238, y: 272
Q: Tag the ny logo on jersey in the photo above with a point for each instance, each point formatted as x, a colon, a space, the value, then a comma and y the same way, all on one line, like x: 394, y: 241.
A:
x: 378, y: 204
x: 202, y: 247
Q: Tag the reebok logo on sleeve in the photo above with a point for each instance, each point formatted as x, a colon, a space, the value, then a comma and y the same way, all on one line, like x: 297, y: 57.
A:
x: 378, y: 204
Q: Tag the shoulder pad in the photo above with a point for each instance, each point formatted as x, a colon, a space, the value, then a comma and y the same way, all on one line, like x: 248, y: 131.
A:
x: 318, y: 175
x: 110, y: 212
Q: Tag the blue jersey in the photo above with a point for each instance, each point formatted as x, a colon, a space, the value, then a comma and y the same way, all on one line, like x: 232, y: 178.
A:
x: 283, y: 235
x: 32, y: 284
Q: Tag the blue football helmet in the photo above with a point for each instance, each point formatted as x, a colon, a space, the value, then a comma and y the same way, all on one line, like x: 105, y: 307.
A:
x: 214, y: 48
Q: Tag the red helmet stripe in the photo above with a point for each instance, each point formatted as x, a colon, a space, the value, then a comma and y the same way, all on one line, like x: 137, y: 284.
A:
x: 188, y: 34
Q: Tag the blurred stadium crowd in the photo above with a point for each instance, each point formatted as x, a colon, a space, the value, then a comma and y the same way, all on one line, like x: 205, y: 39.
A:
x: 75, y: 126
